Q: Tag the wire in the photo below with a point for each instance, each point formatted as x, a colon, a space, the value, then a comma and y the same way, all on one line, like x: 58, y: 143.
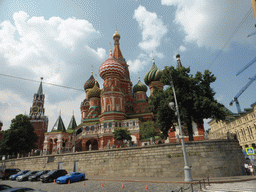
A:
x: 63, y: 86
x: 232, y: 35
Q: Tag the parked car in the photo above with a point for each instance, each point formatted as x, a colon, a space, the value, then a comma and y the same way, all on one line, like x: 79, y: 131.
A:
x: 36, y: 177
x: 3, y: 187
x: 18, y: 189
x: 71, y: 177
x: 13, y: 177
x: 8, y: 172
x: 25, y: 177
x: 49, y: 177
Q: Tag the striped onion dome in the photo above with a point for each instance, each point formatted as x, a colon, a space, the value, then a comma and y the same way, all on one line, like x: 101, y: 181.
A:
x: 89, y: 83
x: 154, y: 74
x: 95, y: 91
x: 110, y: 66
x: 140, y: 87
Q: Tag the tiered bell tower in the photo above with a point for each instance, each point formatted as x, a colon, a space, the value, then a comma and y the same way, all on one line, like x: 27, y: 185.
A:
x: 37, y: 118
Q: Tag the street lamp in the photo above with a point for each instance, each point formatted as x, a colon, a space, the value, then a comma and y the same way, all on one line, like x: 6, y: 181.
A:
x: 171, y: 105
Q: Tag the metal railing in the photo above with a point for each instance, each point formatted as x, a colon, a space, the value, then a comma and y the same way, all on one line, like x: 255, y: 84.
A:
x: 193, y: 187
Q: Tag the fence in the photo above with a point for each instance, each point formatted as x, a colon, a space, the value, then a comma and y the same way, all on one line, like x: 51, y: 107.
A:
x: 194, y: 186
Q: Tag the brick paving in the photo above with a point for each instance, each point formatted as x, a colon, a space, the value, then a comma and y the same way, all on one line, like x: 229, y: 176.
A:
x: 95, y: 186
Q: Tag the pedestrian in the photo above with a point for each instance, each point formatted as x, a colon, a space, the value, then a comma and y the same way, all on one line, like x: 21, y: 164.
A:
x: 251, y: 169
x: 246, y: 169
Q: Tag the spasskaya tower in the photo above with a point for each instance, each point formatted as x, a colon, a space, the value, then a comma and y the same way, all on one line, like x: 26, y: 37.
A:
x: 37, y: 117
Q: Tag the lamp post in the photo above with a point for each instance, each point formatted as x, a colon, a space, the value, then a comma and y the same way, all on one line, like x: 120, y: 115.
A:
x: 171, y: 105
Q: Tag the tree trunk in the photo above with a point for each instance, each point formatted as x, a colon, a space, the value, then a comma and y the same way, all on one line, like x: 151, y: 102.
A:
x: 190, y: 129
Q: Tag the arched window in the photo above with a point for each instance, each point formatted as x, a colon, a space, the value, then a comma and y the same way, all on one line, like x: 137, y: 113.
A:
x: 116, y: 125
x: 127, y: 124
x: 253, y: 145
x: 133, y: 123
x: 87, y: 128
x: 108, y: 107
x: 105, y: 125
x: 246, y: 146
x: 110, y: 125
x: 120, y: 124
x: 92, y: 128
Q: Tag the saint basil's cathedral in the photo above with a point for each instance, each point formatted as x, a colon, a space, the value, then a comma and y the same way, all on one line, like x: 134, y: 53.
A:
x: 117, y: 104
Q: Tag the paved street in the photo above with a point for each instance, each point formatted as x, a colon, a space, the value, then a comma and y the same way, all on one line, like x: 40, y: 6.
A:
x: 93, y: 186
x: 248, y: 186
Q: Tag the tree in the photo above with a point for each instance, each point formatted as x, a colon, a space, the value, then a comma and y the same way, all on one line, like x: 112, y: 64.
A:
x: 20, y: 138
x: 195, y: 99
x: 147, y: 130
x: 121, y: 134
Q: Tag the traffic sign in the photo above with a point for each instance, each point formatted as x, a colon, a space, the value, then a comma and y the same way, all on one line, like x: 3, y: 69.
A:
x: 249, y: 151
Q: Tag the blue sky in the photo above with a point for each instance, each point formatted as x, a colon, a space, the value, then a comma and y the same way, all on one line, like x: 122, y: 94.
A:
x: 61, y: 40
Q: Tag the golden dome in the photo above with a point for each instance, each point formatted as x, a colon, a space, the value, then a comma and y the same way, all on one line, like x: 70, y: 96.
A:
x: 116, y: 35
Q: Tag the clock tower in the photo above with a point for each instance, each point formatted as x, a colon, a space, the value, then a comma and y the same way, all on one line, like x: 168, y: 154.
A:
x: 37, y: 117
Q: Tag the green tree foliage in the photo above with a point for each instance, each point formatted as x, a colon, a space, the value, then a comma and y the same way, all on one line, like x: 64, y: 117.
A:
x: 20, y: 138
x: 195, y: 99
x: 147, y: 130
x: 121, y: 134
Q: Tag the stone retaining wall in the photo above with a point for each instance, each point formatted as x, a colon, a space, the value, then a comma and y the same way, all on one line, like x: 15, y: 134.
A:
x: 213, y: 158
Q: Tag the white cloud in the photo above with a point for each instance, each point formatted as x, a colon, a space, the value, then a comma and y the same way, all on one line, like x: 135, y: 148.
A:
x: 211, y: 23
x: 182, y: 48
x: 13, y: 104
x: 153, y: 31
x: 46, y: 47
x: 152, y: 27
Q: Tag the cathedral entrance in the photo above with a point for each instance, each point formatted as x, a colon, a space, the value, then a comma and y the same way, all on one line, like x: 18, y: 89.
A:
x: 79, y: 146
x: 93, y: 143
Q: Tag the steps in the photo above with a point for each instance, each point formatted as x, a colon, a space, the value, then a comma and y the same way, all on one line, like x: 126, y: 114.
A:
x: 248, y: 186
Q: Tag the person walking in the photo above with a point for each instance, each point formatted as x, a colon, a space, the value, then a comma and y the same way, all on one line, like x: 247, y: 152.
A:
x: 251, y: 169
x: 247, y: 172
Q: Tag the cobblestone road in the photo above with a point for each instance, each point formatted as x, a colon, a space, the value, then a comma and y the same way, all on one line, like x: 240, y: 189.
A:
x: 95, y: 186
x: 248, y: 186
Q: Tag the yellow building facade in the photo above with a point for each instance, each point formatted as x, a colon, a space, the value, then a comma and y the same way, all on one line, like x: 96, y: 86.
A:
x: 242, y: 126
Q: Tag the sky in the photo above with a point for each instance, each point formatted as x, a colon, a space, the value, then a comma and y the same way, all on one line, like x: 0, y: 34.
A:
x: 64, y: 40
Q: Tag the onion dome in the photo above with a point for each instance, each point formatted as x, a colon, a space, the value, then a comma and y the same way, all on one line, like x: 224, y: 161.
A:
x: 116, y: 35
x: 154, y: 74
x: 110, y: 66
x: 95, y: 91
x: 89, y: 83
x: 140, y: 87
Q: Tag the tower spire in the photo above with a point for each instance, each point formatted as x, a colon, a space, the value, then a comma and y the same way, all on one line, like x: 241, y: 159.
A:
x: 40, y: 89
x: 179, y: 65
x: 117, y: 52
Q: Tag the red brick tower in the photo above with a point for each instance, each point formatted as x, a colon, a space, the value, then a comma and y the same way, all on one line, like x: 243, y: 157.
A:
x: 37, y: 118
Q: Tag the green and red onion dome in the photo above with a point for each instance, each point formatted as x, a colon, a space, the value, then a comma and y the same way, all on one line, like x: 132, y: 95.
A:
x: 89, y: 83
x: 110, y: 66
x: 154, y: 74
x: 95, y: 91
x: 140, y: 87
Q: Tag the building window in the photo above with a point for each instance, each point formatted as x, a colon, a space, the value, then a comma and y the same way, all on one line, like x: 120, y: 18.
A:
x: 120, y: 125
x: 127, y: 124
x: 105, y: 125
x: 116, y: 125
x: 109, y: 108
x: 110, y: 125
x: 133, y: 123
x: 87, y: 128
x: 92, y: 128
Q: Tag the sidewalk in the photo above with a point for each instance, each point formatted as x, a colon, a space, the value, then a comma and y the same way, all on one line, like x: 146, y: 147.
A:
x: 172, y: 180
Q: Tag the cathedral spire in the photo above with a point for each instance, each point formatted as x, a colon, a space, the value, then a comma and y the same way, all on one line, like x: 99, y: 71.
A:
x: 40, y: 89
x: 117, y: 52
